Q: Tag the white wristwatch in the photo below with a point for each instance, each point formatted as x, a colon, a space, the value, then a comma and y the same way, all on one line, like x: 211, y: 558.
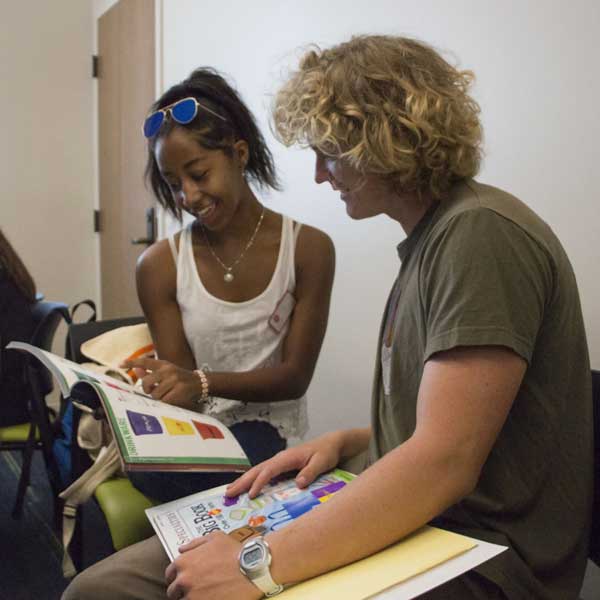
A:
x: 254, y: 559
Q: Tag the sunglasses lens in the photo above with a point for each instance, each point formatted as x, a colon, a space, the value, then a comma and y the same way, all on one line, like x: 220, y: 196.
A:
x: 152, y: 124
x: 185, y: 111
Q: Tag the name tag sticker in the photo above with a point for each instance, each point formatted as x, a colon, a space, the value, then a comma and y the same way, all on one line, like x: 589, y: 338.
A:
x: 282, y: 312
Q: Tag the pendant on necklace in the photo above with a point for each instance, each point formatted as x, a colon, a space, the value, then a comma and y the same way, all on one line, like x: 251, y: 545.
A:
x: 228, y: 277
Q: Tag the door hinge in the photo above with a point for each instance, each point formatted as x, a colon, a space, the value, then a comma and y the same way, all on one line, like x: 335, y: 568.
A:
x: 95, y: 65
x: 96, y: 221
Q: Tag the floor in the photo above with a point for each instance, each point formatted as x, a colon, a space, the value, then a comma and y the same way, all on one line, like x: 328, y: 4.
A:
x: 30, y: 549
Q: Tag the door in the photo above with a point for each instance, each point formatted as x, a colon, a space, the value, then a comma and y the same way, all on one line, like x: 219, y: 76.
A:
x: 126, y: 88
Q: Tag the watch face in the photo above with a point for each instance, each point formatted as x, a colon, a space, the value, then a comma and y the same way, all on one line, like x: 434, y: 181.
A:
x: 253, y: 557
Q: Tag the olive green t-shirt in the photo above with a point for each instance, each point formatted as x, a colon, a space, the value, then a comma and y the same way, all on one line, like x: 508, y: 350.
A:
x: 482, y: 269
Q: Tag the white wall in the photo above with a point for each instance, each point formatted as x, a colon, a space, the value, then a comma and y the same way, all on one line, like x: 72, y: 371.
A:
x: 46, y: 156
x: 538, y: 87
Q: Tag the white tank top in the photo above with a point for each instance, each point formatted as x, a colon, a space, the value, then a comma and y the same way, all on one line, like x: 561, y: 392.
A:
x: 236, y: 336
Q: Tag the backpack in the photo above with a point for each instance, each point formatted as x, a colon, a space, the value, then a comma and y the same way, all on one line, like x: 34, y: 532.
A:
x: 62, y: 445
x: 107, y: 346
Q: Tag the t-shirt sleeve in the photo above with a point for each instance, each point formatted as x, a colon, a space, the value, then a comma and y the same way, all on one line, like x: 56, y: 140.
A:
x: 484, y: 281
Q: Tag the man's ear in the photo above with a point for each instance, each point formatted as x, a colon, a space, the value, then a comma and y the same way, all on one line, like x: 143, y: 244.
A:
x: 242, y: 153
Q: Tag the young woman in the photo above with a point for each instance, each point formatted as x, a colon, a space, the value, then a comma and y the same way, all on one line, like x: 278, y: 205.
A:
x: 17, y: 294
x: 237, y: 302
x: 482, y: 415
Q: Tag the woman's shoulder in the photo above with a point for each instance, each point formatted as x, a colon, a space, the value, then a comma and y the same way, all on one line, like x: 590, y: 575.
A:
x: 155, y: 254
x: 309, y: 235
x: 314, y: 248
x: 162, y: 251
x: 305, y: 234
x: 157, y: 262
x: 310, y: 242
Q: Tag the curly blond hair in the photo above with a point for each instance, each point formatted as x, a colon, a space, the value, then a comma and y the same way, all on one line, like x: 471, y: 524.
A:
x: 391, y: 106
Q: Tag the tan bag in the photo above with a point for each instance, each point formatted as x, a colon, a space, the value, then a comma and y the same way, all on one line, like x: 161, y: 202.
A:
x: 106, y: 465
x: 113, y: 347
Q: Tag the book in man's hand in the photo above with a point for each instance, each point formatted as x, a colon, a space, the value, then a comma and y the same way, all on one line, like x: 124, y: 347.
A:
x: 410, y: 567
x: 151, y: 435
x: 180, y: 521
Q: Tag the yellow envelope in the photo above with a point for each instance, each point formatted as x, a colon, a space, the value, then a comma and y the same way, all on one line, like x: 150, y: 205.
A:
x: 415, y: 554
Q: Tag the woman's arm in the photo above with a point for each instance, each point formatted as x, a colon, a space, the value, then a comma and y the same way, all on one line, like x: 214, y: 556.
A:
x: 175, y: 383
x: 156, y: 278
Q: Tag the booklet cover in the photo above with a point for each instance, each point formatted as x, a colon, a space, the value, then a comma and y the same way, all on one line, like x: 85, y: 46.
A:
x: 180, y: 521
x: 407, y: 569
x: 150, y: 434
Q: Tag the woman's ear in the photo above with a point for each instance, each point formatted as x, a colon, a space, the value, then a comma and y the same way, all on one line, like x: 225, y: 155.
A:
x: 242, y: 153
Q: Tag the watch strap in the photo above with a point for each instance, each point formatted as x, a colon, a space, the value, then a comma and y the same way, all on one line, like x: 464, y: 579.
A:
x: 261, y: 579
x: 266, y: 585
x: 241, y: 534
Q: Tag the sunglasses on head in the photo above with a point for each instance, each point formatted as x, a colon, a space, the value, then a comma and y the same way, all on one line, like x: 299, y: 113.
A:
x: 183, y: 112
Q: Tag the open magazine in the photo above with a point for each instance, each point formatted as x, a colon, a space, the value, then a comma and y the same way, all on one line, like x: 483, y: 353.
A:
x: 150, y: 435
x: 406, y: 569
x: 180, y: 521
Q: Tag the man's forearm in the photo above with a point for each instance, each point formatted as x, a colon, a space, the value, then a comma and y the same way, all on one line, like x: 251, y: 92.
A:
x: 387, y: 502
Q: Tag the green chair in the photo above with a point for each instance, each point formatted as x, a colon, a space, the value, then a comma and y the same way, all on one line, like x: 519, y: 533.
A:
x: 39, y: 432
x: 121, y: 504
x: 123, y: 507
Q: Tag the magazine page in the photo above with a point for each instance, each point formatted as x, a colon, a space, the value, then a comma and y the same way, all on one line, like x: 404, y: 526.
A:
x: 66, y: 372
x: 153, y: 435
x: 180, y: 521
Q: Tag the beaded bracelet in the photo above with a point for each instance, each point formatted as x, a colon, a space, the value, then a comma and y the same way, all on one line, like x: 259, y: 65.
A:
x: 204, y: 382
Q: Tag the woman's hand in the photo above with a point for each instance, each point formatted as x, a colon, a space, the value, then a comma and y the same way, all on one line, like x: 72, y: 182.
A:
x: 310, y: 459
x: 208, y: 568
x: 165, y: 381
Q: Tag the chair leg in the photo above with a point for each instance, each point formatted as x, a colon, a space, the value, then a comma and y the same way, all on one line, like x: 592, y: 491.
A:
x: 22, y: 489
x: 27, y: 457
x: 40, y: 414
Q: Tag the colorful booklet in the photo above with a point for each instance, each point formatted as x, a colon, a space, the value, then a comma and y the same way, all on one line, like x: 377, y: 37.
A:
x: 407, y: 569
x: 182, y: 520
x: 151, y: 435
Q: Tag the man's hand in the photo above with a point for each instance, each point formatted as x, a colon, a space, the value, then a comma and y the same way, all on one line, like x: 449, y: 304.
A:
x: 310, y: 459
x: 208, y: 569
x: 165, y: 381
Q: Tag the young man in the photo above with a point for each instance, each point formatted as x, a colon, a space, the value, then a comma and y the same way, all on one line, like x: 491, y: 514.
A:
x: 481, y: 419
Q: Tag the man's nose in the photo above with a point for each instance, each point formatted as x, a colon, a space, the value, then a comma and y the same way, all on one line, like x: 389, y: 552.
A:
x: 321, y: 171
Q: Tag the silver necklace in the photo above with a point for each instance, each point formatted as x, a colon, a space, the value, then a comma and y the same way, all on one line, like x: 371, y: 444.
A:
x: 228, y: 277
